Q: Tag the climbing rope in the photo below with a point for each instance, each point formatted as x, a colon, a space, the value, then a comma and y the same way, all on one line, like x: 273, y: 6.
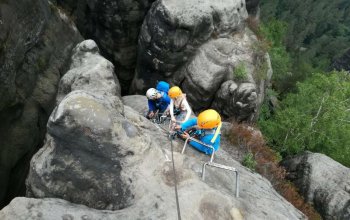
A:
x: 175, y: 181
x: 171, y: 137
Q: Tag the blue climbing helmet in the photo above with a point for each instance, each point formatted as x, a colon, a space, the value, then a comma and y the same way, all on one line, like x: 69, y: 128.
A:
x: 163, y: 86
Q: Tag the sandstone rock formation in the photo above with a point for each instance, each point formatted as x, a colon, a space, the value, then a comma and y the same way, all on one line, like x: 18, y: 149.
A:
x: 114, y: 25
x: 105, y: 155
x: 324, y: 182
x: 89, y: 71
x: 82, y: 122
x: 204, y: 47
x: 35, y: 44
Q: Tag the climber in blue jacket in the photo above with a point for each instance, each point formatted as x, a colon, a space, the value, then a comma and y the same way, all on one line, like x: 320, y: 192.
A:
x: 208, y: 125
x: 157, y: 101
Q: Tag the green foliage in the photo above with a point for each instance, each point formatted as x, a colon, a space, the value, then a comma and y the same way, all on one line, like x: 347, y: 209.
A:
x: 240, y: 71
x: 261, y: 68
x: 249, y: 161
x: 274, y: 32
x: 316, y: 118
x: 266, y: 110
x: 317, y: 31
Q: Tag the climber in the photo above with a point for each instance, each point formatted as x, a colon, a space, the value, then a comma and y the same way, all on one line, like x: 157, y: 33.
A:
x: 163, y: 86
x: 207, y: 125
x: 157, y: 102
x: 180, y: 110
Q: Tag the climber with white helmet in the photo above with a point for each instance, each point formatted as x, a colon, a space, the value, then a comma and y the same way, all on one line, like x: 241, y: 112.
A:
x: 157, y: 101
x: 180, y: 110
x: 207, y: 125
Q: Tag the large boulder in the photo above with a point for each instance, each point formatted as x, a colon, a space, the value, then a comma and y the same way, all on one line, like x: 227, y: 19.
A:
x: 200, y: 45
x: 35, y: 47
x: 115, y: 26
x: 105, y: 155
x: 323, y: 182
x: 87, y: 105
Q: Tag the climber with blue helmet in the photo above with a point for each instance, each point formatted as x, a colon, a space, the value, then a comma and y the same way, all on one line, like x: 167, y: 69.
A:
x: 163, y: 86
x: 157, y: 101
x: 207, y: 125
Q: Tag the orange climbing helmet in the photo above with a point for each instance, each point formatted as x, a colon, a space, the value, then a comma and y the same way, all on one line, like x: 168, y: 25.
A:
x: 208, y: 119
x: 174, y: 92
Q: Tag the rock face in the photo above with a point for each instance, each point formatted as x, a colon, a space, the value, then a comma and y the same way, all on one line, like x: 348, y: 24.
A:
x: 203, y: 47
x: 82, y: 122
x: 114, y: 25
x: 136, y: 102
x: 89, y: 71
x: 35, y: 44
x: 324, y: 182
x: 105, y: 155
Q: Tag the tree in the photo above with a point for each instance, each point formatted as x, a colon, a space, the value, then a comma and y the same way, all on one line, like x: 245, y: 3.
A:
x: 318, y: 31
x: 315, y: 118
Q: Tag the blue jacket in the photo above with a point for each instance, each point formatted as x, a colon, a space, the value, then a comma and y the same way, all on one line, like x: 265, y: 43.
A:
x: 159, y: 104
x: 163, y: 86
x: 205, y: 138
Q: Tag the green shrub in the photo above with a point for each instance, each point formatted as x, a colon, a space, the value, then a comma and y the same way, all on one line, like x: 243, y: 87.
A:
x: 249, y: 161
x: 240, y: 72
x: 316, y: 118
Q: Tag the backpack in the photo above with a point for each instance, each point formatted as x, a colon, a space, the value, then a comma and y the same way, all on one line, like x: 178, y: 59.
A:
x: 163, y: 86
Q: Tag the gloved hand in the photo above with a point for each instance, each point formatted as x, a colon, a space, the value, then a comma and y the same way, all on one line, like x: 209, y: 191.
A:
x: 177, y: 127
x: 185, y: 135
x: 151, y: 115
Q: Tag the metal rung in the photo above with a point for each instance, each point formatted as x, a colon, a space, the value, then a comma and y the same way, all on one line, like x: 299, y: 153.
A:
x: 204, y: 144
x: 212, y: 164
x: 220, y: 166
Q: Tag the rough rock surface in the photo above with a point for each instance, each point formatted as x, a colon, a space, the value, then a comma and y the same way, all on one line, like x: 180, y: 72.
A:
x: 199, y: 45
x: 323, y: 182
x: 89, y: 71
x: 114, y: 25
x: 35, y: 45
x: 137, y: 102
x: 83, y: 119
x: 105, y: 155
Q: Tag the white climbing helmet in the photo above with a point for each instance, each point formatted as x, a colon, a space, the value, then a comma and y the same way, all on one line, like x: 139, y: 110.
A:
x: 151, y: 93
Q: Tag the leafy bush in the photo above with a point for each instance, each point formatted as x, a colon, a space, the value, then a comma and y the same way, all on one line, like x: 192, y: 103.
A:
x: 249, y: 161
x: 316, y: 118
x: 240, y: 71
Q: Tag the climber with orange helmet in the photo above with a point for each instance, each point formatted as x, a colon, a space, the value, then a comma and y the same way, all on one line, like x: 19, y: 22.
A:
x: 208, y: 125
x: 157, y: 101
x: 180, y: 110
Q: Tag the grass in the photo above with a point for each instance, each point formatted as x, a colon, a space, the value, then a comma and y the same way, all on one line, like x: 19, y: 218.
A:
x: 249, y: 161
x: 240, y: 72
